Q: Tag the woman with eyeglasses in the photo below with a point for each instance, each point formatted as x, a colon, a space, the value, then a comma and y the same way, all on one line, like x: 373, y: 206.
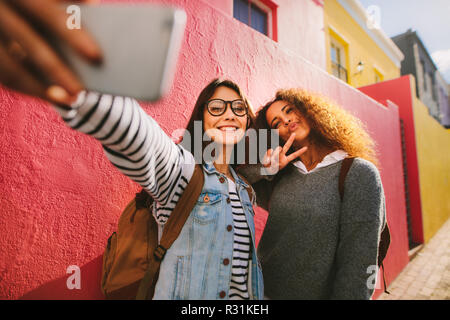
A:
x: 214, y: 256
x: 316, y: 245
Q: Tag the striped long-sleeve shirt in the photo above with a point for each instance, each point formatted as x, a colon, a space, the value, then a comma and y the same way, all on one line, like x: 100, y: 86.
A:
x: 139, y: 148
x: 136, y: 145
x: 241, y: 248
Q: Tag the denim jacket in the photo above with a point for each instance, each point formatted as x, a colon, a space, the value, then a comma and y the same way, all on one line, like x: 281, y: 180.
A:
x: 198, y: 264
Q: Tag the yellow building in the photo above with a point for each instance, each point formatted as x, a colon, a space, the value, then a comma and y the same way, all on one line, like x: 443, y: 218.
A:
x: 433, y: 143
x: 358, y: 51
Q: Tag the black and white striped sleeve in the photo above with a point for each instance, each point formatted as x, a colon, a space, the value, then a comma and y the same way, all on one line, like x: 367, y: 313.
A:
x: 135, y: 144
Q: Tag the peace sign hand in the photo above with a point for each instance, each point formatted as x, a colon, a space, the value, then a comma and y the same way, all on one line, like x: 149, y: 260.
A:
x: 276, y: 160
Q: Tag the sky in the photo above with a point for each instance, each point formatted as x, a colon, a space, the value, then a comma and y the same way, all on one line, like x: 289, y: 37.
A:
x: 431, y: 20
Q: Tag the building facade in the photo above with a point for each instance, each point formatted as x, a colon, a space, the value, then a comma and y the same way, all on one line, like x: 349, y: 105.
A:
x: 443, y: 98
x: 446, y: 113
x: 427, y: 164
x: 419, y: 63
x: 358, y: 51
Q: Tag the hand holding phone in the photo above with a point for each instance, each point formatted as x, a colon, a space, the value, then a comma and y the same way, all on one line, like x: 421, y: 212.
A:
x: 140, y: 45
x: 28, y: 63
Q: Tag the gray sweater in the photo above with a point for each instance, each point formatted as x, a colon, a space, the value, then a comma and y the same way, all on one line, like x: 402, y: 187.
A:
x: 314, y: 246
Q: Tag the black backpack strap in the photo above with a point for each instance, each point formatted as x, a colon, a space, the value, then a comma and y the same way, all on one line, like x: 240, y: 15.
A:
x: 346, y: 164
x: 384, y: 279
x: 385, y: 240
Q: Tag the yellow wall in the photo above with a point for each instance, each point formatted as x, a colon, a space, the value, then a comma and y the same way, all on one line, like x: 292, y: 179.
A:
x: 361, y: 47
x: 433, y: 155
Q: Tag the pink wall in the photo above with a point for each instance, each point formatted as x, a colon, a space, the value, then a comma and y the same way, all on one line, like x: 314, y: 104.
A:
x: 60, y: 199
x: 399, y: 91
x: 225, y: 5
x: 298, y: 26
x: 301, y: 29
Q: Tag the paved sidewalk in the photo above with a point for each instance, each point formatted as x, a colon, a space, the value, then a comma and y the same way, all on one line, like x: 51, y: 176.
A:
x: 427, y: 276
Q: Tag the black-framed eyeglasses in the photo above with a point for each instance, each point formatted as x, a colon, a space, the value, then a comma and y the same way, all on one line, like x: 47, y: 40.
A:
x: 217, y: 107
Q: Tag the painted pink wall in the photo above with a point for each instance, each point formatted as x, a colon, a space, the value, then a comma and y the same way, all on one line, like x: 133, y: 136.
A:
x: 301, y: 29
x: 399, y: 91
x: 60, y: 199
x: 298, y: 26
x: 225, y: 5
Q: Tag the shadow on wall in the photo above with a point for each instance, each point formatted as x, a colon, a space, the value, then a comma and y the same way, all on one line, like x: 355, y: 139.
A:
x: 90, y: 277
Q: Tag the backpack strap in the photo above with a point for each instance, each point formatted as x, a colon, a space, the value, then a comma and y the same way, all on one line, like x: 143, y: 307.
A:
x: 385, y: 235
x: 346, y: 164
x: 171, y: 231
x: 383, y: 246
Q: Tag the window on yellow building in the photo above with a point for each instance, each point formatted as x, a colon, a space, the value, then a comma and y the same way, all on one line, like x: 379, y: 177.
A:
x: 378, y: 76
x: 338, y: 62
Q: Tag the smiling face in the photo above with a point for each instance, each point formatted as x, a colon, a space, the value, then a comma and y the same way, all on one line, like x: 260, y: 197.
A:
x: 227, y: 128
x: 287, y: 119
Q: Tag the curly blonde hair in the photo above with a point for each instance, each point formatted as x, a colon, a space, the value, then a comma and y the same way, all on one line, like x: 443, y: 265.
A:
x: 331, y: 126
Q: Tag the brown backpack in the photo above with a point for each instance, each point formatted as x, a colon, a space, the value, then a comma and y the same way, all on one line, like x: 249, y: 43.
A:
x: 132, y: 257
x: 385, y: 237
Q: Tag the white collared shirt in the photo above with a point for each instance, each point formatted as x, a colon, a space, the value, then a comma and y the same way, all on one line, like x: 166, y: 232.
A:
x: 329, y: 159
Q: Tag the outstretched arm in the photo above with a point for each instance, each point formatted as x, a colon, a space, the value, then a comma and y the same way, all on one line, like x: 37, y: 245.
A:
x: 135, y: 144
x: 132, y: 140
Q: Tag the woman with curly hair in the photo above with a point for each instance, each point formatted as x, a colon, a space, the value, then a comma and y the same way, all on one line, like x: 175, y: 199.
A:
x: 315, y: 245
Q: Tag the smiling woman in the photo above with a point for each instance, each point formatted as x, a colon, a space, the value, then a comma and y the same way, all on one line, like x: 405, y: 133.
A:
x: 318, y: 243
x: 214, y: 256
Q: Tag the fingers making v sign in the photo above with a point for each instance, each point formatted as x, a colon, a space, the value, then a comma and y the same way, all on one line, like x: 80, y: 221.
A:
x: 276, y: 160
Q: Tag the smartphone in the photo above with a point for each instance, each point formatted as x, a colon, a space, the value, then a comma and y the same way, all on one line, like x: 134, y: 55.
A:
x: 140, y: 45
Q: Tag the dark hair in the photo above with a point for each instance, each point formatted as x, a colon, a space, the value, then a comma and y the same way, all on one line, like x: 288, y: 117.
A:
x: 205, y: 95
x: 260, y: 118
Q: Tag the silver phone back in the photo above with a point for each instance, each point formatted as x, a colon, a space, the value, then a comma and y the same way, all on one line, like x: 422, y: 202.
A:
x: 140, y: 45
